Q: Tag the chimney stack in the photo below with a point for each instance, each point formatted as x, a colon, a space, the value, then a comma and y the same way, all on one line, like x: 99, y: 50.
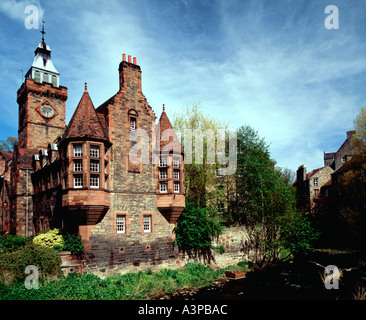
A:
x: 129, y: 74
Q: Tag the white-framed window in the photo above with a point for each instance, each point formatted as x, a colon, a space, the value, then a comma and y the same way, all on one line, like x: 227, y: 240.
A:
x: 163, y: 162
x: 78, y: 150
x: 163, y: 174
x: 176, y: 174
x: 78, y: 165
x: 163, y: 187
x: 133, y: 123
x: 94, y: 181
x: 78, y: 180
x: 94, y: 151
x: 147, y: 223
x: 316, y: 182
x: 121, y: 224
x: 94, y: 165
x: 176, y: 187
x: 176, y: 163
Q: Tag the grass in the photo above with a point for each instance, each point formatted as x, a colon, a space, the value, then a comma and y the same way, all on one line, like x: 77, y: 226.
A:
x: 130, y: 286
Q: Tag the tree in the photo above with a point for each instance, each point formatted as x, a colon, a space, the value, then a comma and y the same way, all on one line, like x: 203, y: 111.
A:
x: 8, y: 144
x: 199, y: 222
x: 200, y: 176
x: 266, y: 205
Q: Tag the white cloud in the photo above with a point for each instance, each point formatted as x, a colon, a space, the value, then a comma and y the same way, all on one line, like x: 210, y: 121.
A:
x: 16, y: 9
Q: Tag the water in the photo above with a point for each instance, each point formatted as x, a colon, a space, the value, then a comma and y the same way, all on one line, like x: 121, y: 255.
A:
x: 300, y: 280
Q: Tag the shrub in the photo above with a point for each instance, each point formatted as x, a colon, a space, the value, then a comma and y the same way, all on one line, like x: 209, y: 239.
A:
x: 13, y: 264
x: 9, y: 243
x: 49, y: 239
x: 73, y: 243
x: 194, y: 232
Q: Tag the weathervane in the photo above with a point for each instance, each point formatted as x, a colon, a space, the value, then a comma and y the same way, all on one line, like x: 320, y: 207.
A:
x: 43, y: 32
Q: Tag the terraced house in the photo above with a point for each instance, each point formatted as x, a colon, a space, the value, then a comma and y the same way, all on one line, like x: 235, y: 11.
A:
x: 84, y: 177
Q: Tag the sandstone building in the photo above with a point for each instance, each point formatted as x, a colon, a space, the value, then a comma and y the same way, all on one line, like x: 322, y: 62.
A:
x: 83, y: 177
x: 309, y: 186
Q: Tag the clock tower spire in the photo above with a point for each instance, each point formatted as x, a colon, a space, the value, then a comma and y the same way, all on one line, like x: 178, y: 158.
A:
x: 41, y: 101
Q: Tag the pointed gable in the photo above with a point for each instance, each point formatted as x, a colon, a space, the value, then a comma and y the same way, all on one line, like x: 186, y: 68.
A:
x: 164, y: 124
x: 85, y: 121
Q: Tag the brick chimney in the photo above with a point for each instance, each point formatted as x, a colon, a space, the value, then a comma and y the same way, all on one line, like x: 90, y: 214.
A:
x: 129, y: 74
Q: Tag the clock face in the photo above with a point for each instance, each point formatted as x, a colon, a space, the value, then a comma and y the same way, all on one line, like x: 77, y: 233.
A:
x: 47, y: 111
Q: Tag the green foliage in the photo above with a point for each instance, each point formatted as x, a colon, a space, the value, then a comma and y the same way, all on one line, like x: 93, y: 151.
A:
x: 9, y: 243
x: 194, y: 232
x: 50, y: 239
x: 13, y: 264
x: 73, y: 243
x: 200, y: 177
x: 266, y: 204
x: 297, y: 234
x: 130, y: 286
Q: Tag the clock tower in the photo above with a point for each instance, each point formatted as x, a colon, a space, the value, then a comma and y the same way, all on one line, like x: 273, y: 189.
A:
x: 41, y: 102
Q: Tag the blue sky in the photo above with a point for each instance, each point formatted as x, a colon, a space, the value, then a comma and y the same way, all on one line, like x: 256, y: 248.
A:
x: 269, y: 64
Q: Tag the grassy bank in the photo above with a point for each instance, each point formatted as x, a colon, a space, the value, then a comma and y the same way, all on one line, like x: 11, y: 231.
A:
x: 130, y: 286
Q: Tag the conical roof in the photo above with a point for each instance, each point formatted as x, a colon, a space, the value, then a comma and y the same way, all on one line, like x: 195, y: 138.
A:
x: 163, y: 125
x: 85, y: 121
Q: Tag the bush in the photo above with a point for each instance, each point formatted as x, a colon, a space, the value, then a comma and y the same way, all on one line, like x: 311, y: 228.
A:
x: 9, y: 243
x: 73, y: 243
x: 297, y: 234
x: 194, y: 232
x: 50, y: 239
x: 13, y: 264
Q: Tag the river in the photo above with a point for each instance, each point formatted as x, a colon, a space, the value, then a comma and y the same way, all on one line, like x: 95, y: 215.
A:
x: 299, y: 280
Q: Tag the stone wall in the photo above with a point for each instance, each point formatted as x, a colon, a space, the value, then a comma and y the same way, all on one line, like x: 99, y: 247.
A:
x: 109, y: 252
x: 231, y: 240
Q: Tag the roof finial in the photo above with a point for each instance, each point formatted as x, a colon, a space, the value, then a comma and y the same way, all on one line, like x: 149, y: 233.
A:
x: 43, y: 32
x: 86, y: 86
x: 163, y: 107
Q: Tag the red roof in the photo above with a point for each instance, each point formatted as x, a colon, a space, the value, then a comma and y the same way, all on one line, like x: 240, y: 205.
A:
x: 24, y: 156
x: 85, y: 121
x: 163, y: 125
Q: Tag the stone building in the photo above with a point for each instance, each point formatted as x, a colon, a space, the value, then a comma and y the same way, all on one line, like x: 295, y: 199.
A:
x: 308, y: 186
x: 113, y: 174
x: 319, y: 182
